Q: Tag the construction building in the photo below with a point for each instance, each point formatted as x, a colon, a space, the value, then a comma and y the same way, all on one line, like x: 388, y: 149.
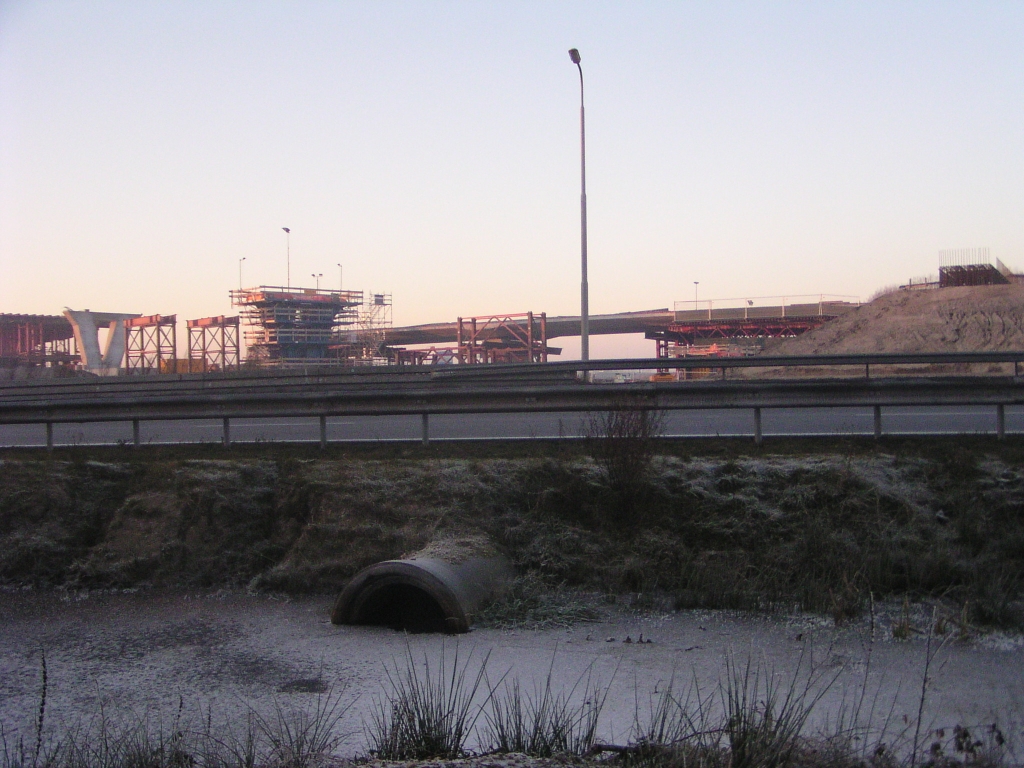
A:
x: 295, y: 326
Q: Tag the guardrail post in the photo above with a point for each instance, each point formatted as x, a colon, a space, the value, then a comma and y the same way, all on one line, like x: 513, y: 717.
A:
x: 323, y: 432
x: 757, y: 426
x: 878, y: 422
x: 227, y: 432
x: 135, y: 433
x: 426, y: 429
x: 1001, y: 421
x: 49, y: 436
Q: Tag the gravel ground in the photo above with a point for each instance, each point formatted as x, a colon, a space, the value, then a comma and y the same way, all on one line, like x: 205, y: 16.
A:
x: 220, y: 654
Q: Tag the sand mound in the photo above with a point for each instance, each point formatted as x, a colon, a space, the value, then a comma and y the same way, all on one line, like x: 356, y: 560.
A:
x: 943, y: 320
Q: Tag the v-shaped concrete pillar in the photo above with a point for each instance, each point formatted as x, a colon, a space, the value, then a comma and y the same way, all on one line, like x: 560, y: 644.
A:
x: 86, y: 325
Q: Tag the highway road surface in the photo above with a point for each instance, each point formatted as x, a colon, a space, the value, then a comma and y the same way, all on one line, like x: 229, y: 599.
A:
x: 695, y: 423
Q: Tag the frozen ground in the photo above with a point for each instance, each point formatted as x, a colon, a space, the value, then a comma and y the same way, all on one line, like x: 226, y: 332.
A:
x: 223, y: 653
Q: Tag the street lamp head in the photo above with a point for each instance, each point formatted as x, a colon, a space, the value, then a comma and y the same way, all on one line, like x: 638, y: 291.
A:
x: 286, y: 230
x: 574, y: 55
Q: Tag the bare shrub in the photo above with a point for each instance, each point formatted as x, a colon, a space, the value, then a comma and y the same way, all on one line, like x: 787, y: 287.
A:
x: 622, y: 441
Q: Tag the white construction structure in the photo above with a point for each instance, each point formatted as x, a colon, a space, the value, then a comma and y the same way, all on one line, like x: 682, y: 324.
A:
x: 86, y: 325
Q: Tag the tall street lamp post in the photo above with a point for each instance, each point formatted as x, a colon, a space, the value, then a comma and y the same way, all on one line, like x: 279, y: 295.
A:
x: 317, y: 278
x: 240, y: 272
x: 341, y: 275
x: 288, y: 236
x: 584, y: 290
x: 695, y: 284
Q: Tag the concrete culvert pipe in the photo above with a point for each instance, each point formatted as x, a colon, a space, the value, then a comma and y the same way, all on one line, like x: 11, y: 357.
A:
x: 423, y: 594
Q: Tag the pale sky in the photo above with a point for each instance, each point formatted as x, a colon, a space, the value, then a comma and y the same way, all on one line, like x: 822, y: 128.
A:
x: 433, y: 149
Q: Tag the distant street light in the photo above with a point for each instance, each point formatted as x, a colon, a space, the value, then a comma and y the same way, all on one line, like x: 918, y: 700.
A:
x: 340, y: 281
x: 288, y: 235
x: 574, y: 55
x: 695, y: 284
x: 317, y: 276
x: 240, y: 272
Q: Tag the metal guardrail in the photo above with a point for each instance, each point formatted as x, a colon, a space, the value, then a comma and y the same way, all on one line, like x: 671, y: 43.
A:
x: 508, y: 388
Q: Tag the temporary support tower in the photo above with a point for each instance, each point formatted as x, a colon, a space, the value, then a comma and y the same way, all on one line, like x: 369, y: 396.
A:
x: 513, y: 338
x: 516, y: 338
x: 149, y: 341
x: 214, y: 344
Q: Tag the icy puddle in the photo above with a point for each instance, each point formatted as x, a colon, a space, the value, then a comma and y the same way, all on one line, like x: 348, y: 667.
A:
x: 218, y: 655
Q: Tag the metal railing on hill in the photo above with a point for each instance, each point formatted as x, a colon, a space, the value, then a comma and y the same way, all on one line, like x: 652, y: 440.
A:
x: 809, y: 304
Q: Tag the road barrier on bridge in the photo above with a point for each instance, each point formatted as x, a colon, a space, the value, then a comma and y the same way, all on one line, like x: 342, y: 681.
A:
x: 898, y: 380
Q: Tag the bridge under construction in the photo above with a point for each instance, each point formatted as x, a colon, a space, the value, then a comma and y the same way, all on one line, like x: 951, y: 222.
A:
x: 301, y: 327
x: 689, y: 328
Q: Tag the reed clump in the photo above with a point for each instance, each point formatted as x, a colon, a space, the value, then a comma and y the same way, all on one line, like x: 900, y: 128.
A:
x: 545, y: 722
x: 753, y: 718
x: 426, y: 713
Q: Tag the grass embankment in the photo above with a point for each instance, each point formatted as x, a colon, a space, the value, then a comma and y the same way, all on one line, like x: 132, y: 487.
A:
x: 817, y: 524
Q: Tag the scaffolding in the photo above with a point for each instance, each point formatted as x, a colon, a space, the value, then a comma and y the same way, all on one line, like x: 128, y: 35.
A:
x: 294, y: 326
x: 149, y: 341
x: 374, y: 324
x: 362, y: 340
x: 214, y: 344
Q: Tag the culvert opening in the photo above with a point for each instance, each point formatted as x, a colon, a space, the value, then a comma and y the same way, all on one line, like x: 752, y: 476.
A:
x: 403, y: 607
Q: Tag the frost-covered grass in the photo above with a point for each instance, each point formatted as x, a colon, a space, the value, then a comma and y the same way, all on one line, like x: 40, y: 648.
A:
x: 715, y: 525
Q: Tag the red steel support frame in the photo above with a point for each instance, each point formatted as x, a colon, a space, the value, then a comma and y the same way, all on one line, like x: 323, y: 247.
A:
x: 503, y: 339
x: 36, y: 340
x: 515, y: 338
x: 149, y: 341
x: 768, y: 328
x: 215, y: 341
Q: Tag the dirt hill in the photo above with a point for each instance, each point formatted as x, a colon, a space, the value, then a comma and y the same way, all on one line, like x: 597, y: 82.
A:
x: 942, y: 320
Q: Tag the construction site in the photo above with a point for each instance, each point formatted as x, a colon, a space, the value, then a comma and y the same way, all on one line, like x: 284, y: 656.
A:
x: 293, y: 327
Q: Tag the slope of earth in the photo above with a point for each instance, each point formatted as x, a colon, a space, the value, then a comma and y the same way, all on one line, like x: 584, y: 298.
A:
x: 828, y: 531
x: 971, y: 319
